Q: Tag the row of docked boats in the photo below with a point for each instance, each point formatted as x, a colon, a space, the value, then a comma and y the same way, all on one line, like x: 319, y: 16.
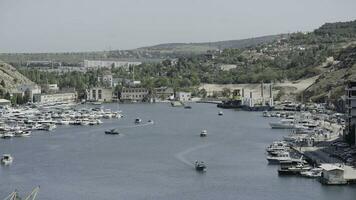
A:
x: 22, y: 121
x: 279, y: 152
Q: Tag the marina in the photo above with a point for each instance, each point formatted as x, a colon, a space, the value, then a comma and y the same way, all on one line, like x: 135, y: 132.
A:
x: 317, y: 139
x: 156, y: 161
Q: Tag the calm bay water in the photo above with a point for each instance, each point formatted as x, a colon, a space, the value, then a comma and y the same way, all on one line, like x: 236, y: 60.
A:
x: 154, y: 161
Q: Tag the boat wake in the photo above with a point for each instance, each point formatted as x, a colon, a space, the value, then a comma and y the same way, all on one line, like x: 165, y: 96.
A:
x: 181, y: 155
x: 135, y: 126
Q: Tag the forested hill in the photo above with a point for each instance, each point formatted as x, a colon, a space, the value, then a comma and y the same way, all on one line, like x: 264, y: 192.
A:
x: 290, y: 58
x: 145, y: 54
x: 206, y: 46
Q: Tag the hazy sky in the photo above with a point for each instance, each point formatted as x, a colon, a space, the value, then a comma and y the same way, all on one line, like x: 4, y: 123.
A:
x: 86, y: 25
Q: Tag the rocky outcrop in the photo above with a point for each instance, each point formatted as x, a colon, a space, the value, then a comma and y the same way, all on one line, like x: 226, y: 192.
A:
x: 10, y: 78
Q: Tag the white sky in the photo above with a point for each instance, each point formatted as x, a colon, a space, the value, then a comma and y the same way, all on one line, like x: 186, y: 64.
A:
x: 87, y: 25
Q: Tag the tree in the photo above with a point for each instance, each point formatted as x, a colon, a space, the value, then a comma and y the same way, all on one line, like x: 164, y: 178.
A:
x: 226, y: 92
x: 3, y: 83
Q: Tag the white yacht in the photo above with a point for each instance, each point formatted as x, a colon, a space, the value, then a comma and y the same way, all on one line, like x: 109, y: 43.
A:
x: 7, y: 135
x: 283, y: 124
x: 283, y: 156
x: 266, y: 114
x: 6, y: 159
x: 313, y: 173
x: 277, y: 146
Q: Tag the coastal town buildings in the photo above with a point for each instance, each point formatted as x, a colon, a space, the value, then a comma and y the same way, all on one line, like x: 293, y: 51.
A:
x: 95, y: 64
x: 164, y: 93
x: 28, y: 89
x: 183, y: 96
x: 62, y: 97
x: 351, y: 109
x: 134, y: 94
x: 100, y: 94
x: 106, y: 79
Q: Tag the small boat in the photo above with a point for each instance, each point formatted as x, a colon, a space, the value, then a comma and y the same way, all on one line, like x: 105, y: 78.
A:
x: 176, y: 104
x: 283, y: 124
x: 290, y: 168
x: 22, y: 133
x: 6, y: 159
x: 112, y: 132
x: 138, y: 120
x: 313, y: 173
x: 266, y: 114
x: 187, y: 107
x: 203, y: 133
x: 283, y: 156
x: 277, y: 146
x: 49, y: 127
x: 7, y: 135
x: 150, y: 121
x: 220, y: 113
x: 200, y: 166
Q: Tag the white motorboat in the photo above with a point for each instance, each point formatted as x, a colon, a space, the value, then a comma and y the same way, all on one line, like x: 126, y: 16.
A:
x: 313, y: 173
x: 22, y: 133
x: 200, y: 166
x: 283, y: 124
x: 49, y: 127
x: 8, y: 135
x: 203, y: 133
x: 290, y: 168
x: 283, y: 156
x: 277, y: 146
x: 6, y: 159
x: 138, y: 120
x: 84, y: 122
x: 220, y: 113
x: 266, y: 114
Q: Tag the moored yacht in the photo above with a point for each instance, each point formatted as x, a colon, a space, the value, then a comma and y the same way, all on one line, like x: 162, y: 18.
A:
x: 290, y: 168
x: 283, y: 156
x: 312, y: 173
x: 277, y: 146
x: 7, y: 135
x: 283, y: 124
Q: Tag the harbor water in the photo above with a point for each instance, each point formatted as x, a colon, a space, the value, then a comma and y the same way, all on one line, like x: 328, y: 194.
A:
x: 155, y: 161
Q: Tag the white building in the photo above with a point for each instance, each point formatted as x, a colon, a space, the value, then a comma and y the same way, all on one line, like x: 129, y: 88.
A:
x: 106, y: 80
x: 109, y: 64
x: 183, y: 96
x: 68, y: 97
x: 332, y: 174
x: 100, y: 94
x: 227, y: 67
x: 29, y: 90
x: 53, y: 87
x: 134, y: 94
